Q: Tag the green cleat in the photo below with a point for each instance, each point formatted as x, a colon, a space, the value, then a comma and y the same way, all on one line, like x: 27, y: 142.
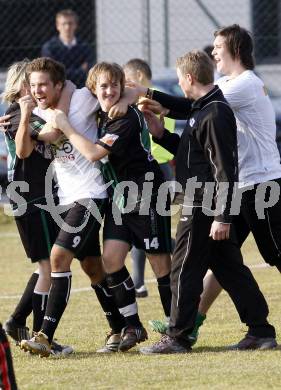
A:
x: 159, y: 326
x: 162, y: 327
x: 193, y: 336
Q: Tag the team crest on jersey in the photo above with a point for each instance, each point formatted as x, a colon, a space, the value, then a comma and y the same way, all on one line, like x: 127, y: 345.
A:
x: 191, y: 122
x: 109, y: 139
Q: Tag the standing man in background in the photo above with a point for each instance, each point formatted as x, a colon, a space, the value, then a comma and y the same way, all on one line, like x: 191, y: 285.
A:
x: 138, y: 71
x: 76, y: 55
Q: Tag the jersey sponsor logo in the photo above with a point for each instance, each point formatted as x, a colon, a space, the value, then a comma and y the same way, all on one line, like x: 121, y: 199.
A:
x: 66, y: 147
x: 109, y: 139
x: 64, y: 159
x: 191, y: 122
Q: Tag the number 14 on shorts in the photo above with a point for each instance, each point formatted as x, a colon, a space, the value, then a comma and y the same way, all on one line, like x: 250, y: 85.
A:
x: 151, y: 243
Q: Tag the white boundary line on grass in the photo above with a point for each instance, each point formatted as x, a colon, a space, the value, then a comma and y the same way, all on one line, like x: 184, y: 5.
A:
x: 147, y: 281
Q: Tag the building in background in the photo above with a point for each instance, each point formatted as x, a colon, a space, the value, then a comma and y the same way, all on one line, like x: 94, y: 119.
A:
x: 155, y: 30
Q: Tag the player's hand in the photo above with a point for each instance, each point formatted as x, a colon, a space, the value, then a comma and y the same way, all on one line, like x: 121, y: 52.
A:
x: 220, y: 231
x: 136, y: 89
x: 59, y: 120
x: 155, y: 125
x: 27, y: 104
x: 4, y: 121
x: 151, y: 105
x: 119, y: 109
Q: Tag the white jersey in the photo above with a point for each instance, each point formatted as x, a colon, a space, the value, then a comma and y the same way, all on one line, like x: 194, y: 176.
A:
x: 258, y: 156
x: 77, y: 177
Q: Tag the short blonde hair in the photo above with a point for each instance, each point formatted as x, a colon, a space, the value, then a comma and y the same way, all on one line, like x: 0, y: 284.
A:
x: 112, y: 70
x: 16, y: 78
x: 198, y: 64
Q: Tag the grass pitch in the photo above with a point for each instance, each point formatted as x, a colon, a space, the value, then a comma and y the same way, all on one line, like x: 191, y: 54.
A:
x: 83, y: 326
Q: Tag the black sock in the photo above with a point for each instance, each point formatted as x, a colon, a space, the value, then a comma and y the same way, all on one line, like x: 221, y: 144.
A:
x: 115, y: 319
x: 122, y: 288
x: 57, y: 301
x: 24, y: 307
x: 39, y: 304
x: 165, y: 293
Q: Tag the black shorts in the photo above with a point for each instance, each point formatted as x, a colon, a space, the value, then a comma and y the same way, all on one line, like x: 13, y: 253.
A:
x: 85, y: 241
x: 38, y: 233
x: 152, y: 232
x: 267, y: 230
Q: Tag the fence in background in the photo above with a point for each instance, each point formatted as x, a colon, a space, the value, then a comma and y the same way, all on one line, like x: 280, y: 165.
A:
x: 156, y: 30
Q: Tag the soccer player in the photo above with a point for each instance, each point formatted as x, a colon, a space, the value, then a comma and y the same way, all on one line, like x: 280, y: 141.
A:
x: 36, y: 227
x: 138, y: 71
x: 209, y: 152
x: 129, y: 161
x: 259, y: 159
x: 83, y: 196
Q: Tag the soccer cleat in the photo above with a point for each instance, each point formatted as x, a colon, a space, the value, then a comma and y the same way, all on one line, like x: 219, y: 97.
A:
x: 38, y: 345
x: 60, y: 350
x: 131, y: 336
x: 15, y: 331
x: 141, y: 292
x: 162, y: 327
x: 252, y: 342
x: 193, y: 336
x: 166, y: 345
x: 112, y: 342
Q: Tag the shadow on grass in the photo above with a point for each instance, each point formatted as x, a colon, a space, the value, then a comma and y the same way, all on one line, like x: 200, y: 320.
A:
x: 89, y: 355
x: 93, y: 354
x: 226, y: 349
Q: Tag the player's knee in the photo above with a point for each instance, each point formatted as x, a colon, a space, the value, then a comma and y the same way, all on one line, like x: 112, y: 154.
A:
x: 92, y: 266
x: 60, y: 262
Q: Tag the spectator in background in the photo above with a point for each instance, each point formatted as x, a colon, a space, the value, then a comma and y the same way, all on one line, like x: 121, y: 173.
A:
x: 76, y: 55
x: 138, y: 71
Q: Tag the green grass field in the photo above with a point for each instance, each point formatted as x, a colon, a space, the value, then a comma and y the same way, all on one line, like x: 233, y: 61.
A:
x: 83, y: 326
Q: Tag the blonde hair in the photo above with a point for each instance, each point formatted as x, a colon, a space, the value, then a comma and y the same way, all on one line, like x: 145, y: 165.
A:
x: 16, y: 78
x: 198, y: 64
x: 112, y: 70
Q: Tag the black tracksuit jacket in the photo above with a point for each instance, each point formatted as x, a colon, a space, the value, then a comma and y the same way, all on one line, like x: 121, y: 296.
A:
x: 207, y: 148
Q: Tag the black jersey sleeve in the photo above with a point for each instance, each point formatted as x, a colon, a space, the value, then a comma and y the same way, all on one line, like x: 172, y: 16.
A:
x: 35, y: 124
x: 179, y: 106
x: 169, y: 141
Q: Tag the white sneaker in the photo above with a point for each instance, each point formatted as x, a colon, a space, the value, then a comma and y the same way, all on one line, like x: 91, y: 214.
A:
x: 38, y: 345
x: 60, y: 350
x: 112, y: 342
x: 141, y: 292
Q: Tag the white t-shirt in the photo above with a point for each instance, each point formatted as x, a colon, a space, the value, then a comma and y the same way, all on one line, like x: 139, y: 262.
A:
x: 77, y: 177
x: 258, y: 156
